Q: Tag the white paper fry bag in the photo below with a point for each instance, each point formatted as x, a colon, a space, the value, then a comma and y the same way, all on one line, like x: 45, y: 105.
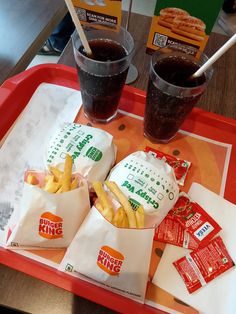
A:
x: 114, y: 258
x: 148, y: 181
x: 49, y: 220
x: 92, y: 150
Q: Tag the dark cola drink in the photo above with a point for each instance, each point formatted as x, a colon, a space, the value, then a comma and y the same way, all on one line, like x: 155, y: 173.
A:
x: 171, y: 95
x: 101, y: 93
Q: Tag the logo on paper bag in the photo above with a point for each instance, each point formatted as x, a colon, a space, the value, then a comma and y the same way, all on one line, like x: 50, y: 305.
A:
x: 110, y: 260
x: 50, y: 226
x: 94, y: 153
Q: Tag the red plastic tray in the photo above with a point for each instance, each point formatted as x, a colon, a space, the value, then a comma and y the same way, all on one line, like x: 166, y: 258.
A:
x: 16, y: 92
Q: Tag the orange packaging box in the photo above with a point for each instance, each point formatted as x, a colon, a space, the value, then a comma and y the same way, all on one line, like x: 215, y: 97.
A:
x: 184, y: 23
x: 102, y: 11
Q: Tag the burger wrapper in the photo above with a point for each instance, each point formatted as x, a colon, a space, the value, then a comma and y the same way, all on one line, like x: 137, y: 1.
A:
x: 148, y: 181
x: 49, y: 220
x: 116, y: 259
x: 92, y: 150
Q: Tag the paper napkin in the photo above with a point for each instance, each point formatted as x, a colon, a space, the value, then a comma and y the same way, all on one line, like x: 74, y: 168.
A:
x: 218, y: 296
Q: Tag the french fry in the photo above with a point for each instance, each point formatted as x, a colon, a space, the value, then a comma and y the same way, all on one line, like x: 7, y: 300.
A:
x: 125, y: 216
x: 139, y: 214
x: 31, y: 179
x: 108, y: 211
x: 49, y: 178
x: 51, y: 186
x: 66, y: 176
x: 57, y: 181
x: 113, y: 187
x: 56, y: 172
x: 99, y: 207
x: 59, y: 190
x: 120, y: 219
x: 74, y: 183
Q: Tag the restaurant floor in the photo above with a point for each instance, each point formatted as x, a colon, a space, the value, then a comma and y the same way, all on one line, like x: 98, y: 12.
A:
x: 225, y: 24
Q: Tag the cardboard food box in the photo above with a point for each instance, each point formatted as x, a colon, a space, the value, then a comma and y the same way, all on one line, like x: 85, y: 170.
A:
x: 184, y: 23
x: 102, y: 11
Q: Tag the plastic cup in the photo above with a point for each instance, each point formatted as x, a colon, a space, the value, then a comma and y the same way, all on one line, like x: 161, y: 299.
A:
x: 168, y: 104
x: 102, y: 81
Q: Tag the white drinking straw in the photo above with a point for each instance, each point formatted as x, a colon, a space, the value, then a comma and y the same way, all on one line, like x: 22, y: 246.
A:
x: 78, y: 27
x: 215, y: 56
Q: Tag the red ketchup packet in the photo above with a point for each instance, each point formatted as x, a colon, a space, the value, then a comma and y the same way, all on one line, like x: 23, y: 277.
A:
x: 204, y: 264
x: 179, y: 166
x: 170, y: 231
x: 193, y: 218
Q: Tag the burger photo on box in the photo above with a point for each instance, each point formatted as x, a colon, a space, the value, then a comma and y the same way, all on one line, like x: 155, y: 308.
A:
x: 189, y: 26
x: 168, y: 15
x: 182, y: 23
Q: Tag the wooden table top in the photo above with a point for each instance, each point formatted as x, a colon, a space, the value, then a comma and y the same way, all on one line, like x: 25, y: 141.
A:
x: 31, y: 295
x: 24, y: 27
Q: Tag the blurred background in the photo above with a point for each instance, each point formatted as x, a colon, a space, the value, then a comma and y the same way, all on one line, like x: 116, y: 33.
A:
x: 225, y: 24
